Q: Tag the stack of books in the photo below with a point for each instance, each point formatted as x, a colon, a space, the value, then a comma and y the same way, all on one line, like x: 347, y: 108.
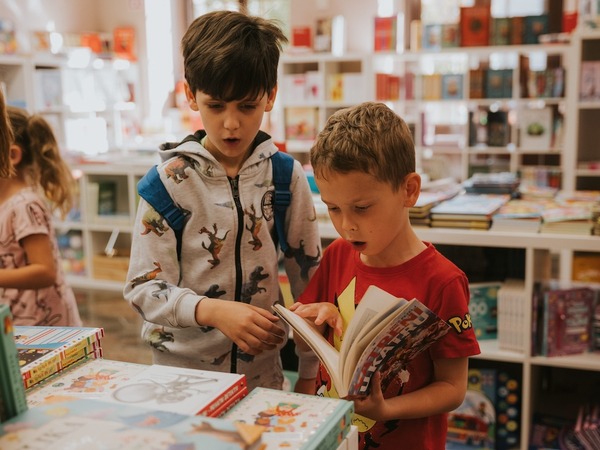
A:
x: 44, y: 351
x: 473, y: 211
x: 293, y: 420
x: 492, y: 183
x: 522, y: 216
x: 431, y: 194
x: 155, y: 387
x: 86, y: 423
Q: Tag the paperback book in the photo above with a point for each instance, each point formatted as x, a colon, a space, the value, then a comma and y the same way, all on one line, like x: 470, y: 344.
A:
x: 44, y: 351
x: 385, y: 333
x: 293, y: 420
x: 467, y: 209
x: 483, y: 307
x: 12, y: 391
x: 85, y: 423
x: 176, y: 389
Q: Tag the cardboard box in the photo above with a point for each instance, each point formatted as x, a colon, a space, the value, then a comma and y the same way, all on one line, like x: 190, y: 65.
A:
x: 112, y: 268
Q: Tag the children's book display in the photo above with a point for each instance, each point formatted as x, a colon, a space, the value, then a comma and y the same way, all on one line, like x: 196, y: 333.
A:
x: 12, y: 391
x: 295, y: 421
x: 44, y: 351
x: 385, y: 333
x: 176, y: 389
x: 489, y: 417
x: 81, y: 424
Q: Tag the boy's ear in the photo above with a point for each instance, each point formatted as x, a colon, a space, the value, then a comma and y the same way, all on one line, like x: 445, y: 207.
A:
x: 271, y: 99
x: 413, y: 189
x: 190, y: 96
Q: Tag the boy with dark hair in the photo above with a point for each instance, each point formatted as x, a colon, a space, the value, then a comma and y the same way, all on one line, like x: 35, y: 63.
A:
x: 208, y: 306
x: 364, y: 166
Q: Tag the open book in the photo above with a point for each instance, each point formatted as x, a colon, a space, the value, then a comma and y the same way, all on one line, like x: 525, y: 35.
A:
x: 384, y: 334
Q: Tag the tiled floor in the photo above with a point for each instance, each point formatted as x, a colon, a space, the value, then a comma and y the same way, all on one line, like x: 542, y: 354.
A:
x: 120, y: 322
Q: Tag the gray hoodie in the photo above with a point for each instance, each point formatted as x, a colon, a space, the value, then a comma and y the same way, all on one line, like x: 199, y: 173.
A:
x: 227, y: 252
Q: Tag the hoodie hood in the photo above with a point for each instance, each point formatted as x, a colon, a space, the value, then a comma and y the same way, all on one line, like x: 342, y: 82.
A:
x: 263, y: 148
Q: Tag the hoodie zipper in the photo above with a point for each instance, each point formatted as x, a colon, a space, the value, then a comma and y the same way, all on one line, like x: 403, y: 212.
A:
x: 234, y: 183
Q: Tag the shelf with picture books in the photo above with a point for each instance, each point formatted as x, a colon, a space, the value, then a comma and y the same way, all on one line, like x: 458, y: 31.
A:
x: 95, y: 237
x: 312, y: 86
x: 479, y: 109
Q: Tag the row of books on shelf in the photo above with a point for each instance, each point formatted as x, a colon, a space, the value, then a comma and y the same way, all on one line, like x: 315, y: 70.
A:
x: 123, y: 405
x: 120, y: 42
x: 476, y: 27
x: 566, y: 321
x: 494, y: 201
x: 312, y: 86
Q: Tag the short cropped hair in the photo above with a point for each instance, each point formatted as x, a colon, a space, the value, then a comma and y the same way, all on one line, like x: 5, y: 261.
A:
x: 232, y: 56
x: 368, y: 138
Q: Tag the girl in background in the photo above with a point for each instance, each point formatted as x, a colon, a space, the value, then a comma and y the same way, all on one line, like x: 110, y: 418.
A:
x: 31, y: 278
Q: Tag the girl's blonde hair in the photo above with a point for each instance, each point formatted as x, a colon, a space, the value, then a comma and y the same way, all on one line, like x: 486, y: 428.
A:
x: 6, y: 138
x: 41, y: 161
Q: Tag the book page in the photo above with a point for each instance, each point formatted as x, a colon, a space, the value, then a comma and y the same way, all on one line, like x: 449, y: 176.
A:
x: 373, y: 307
x: 328, y: 355
x: 411, y: 332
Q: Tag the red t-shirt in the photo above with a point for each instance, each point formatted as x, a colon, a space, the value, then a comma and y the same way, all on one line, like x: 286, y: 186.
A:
x: 343, y: 279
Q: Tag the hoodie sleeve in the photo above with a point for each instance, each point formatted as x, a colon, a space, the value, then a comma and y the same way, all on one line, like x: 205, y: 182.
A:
x: 302, y: 231
x: 154, y: 273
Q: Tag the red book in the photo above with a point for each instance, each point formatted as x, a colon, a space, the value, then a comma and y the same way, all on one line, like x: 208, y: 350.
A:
x: 475, y: 26
x: 385, y: 34
x: 124, y: 43
x: 302, y: 37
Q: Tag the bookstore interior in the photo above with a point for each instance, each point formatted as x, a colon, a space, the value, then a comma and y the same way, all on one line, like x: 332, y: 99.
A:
x: 503, y: 100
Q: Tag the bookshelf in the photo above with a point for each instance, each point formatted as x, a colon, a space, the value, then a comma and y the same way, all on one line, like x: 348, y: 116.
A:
x: 542, y: 257
x: 584, y: 112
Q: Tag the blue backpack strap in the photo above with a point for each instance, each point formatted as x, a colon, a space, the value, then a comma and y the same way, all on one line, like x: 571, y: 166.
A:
x: 151, y: 188
x: 283, y: 166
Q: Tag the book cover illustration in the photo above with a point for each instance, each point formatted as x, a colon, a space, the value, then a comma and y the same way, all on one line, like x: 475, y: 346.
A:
x: 301, y: 123
x: 93, y: 379
x: 567, y: 321
x: 385, y: 32
x: 535, y: 128
x: 384, y: 334
x: 473, y: 424
x: 12, y: 391
x: 84, y: 423
x: 483, y: 307
x: 46, y: 350
x: 293, y: 420
x: 475, y: 26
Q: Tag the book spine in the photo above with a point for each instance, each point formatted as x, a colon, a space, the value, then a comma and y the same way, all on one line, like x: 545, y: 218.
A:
x: 335, y: 428
x: 12, y: 392
x: 230, y: 403
x: 57, y: 363
x: 232, y: 391
x: 66, y: 351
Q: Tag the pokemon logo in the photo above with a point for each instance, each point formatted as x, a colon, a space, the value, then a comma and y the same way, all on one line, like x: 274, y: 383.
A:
x: 461, y: 324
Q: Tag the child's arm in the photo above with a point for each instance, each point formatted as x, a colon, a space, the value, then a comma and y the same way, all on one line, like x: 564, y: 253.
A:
x: 253, y: 329
x: 445, y: 393
x: 40, y: 272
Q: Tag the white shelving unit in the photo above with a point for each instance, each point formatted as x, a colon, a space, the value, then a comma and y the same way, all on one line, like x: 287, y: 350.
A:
x: 539, y: 250
x: 582, y: 137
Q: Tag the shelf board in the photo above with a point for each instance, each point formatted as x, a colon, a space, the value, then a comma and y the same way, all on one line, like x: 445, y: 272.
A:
x: 583, y: 361
x: 490, y: 350
x: 486, y: 238
x: 80, y: 282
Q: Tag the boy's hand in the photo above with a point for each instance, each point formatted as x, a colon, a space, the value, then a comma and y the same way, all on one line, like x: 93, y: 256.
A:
x: 320, y: 313
x: 372, y: 406
x: 251, y: 328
